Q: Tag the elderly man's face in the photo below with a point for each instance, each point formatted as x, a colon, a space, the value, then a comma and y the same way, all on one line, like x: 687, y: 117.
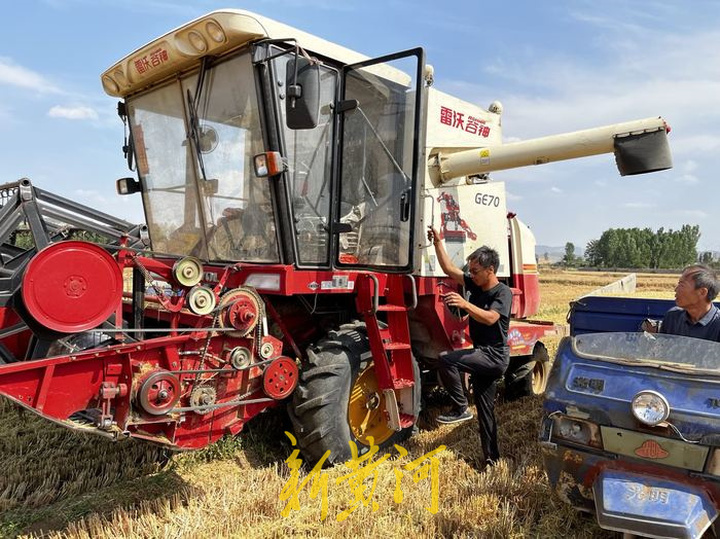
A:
x: 686, y: 295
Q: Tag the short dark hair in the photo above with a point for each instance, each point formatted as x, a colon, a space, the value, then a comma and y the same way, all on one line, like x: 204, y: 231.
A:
x: 486, y: 257
x: 704, y: 277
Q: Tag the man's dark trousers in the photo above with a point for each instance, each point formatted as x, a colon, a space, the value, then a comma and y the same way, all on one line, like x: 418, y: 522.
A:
x: 486, y: 370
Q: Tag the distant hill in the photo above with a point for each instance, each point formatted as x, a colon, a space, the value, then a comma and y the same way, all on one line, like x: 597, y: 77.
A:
x: 554, y: 252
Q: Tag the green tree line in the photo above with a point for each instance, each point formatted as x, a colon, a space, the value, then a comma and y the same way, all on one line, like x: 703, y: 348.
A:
x: 643, y: 248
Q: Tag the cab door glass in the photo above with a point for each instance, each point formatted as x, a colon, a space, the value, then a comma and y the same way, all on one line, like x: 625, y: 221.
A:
x: 309, y: 155
x: 379, y: 158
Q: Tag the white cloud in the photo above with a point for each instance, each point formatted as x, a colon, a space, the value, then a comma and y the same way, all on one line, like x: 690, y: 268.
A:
x: 512, y: 197
x: 556, y: 189
x: 73, y: 113
x: 688, y: 179
x: 690, y: 166
x: 638, y: 205
x: 12, y: 74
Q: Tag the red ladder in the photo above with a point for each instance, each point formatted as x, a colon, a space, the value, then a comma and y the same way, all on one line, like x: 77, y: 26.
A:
x: 389, y: 341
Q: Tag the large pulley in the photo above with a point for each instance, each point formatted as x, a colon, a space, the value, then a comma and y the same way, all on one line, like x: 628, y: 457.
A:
x: 241, y: 308
x: 72, y: 286
x: 280, y: 378
x: 158, y: 392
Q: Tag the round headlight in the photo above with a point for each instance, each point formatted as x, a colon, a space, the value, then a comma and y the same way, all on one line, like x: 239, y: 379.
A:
x: 650, y: 407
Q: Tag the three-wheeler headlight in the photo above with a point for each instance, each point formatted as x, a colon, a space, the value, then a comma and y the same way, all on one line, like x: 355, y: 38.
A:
x: 650, y: 407
x: 577, y: 431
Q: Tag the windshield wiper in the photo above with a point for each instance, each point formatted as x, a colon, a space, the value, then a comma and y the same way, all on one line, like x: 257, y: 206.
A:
x: 192, y: 103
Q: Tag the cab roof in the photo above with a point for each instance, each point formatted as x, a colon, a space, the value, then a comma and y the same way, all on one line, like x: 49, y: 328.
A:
x: 213, y: 34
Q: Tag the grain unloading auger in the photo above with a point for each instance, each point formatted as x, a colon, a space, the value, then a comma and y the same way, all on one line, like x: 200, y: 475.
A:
x: 286, y: 194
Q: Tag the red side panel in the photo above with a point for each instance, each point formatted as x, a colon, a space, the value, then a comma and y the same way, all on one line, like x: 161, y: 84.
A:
x: 529, y: 301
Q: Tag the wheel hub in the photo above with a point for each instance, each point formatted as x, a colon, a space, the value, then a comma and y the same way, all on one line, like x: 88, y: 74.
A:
x: 366, y: 410
x: 373, y: 401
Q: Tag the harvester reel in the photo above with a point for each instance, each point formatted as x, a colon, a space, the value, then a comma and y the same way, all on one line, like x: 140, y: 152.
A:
x: 201, y: 300
x: 159, y: 393
x: 203, y: 396
x: 242, y: 309
x: 280, y: 378
x: 188, y: 271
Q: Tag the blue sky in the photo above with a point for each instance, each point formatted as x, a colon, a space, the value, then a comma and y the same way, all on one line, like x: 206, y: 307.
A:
x: 556, y: 66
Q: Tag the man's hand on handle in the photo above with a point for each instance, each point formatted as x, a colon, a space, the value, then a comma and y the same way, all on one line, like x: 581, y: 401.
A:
x: 433, y: 235
x: 453, y: 299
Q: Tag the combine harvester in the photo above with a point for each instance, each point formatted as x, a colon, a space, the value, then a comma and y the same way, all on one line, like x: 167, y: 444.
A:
x: 287, y: 184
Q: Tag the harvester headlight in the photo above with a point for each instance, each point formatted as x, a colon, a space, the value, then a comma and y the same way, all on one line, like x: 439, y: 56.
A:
x: 650, y: 407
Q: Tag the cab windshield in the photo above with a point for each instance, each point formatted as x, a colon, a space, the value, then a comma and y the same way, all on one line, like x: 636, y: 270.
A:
x: 194, y: 145
x: 656, y: 349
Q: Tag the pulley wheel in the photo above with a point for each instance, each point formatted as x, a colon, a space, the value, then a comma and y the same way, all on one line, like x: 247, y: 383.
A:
x: 72, y: 286
x: 159, y: 392
x: 201, y: 300
x: 188, y: 271
x: 280, y: 378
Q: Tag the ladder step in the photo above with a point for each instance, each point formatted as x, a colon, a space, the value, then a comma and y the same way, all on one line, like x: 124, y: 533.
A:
x: 401, y: 383
x: 396, y: 346
x: 392, y: 308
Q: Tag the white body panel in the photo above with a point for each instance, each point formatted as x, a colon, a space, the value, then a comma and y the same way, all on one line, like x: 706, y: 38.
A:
x: 481, y: 220
x: 454, y: 123
x: 523, y: 248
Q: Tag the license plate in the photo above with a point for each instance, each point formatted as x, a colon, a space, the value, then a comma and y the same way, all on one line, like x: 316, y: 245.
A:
x: 643, y: 493
x: 643, y: 504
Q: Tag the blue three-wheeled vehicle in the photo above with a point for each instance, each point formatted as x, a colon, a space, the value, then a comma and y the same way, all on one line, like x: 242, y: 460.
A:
x: 631, y: 421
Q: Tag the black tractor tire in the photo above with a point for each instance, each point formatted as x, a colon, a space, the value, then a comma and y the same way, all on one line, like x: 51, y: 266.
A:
x: 320, y: 406
x: 528, y: 377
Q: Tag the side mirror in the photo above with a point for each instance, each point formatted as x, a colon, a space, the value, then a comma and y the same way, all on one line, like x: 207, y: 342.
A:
x: 128, y: 186
x: 302, y: 105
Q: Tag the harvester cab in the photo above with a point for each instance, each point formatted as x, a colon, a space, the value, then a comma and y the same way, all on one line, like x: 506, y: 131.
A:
x: 237, y: 153
x: 287, y: 183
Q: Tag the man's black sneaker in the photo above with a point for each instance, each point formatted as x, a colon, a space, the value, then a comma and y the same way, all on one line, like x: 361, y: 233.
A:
x: 454, y: 417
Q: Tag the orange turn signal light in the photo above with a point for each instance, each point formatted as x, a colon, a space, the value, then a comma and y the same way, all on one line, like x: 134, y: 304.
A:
x: 268, y: 164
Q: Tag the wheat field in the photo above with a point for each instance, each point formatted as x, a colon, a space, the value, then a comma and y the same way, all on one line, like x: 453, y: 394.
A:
x: 59, y: 484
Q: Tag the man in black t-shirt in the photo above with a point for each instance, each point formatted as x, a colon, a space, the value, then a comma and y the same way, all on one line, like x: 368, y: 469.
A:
x: 489, y: 310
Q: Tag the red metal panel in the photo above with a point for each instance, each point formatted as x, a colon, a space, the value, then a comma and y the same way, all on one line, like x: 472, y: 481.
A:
x: 72, y: 286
